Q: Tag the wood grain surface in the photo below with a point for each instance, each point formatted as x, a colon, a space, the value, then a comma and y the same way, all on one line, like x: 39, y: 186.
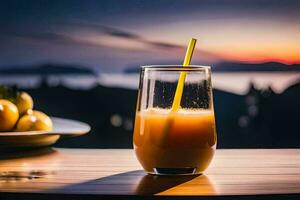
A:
x: 117, y: 173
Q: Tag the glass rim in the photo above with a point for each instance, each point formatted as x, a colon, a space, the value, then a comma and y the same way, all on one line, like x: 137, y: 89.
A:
x: 176, y: 67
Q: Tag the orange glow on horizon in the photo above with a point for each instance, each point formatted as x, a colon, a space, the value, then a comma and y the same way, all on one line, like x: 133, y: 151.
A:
x: 249, y: 57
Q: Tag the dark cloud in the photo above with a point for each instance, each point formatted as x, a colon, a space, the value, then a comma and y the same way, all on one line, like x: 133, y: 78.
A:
x: 106, y: 30
x: 164, y: 45
x: 115, y: 32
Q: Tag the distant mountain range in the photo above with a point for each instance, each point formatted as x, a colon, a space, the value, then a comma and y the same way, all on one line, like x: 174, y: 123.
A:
x: 60, y: 69
x: 46, y: 69
x: 268, y: 66
x: 243, y: 67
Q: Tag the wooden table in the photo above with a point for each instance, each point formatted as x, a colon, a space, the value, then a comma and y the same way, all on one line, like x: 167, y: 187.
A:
x: 112, y: 174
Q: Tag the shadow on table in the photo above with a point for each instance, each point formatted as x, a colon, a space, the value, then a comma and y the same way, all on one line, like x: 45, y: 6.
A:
x: 129, y: 183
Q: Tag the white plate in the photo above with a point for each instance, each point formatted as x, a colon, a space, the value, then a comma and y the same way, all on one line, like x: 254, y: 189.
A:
x: 31, y: 139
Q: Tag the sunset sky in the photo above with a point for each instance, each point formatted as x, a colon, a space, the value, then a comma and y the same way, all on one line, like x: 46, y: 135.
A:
x: 112, y: 35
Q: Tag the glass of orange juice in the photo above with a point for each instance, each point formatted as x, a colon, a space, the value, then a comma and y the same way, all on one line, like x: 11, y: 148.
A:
x: 180, y: 142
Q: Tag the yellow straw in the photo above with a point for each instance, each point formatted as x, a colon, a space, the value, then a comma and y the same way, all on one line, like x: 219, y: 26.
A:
x: 179, y: 91
x: 180, y: 84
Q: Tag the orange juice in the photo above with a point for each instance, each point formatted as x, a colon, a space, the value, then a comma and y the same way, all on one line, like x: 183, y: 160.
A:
x: 166, y: 141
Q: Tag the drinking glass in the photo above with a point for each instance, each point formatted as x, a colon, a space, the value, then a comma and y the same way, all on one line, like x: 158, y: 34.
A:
x: 180, y: 142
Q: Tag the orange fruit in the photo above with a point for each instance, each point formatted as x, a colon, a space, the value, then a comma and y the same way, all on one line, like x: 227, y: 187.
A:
x: 24, y: 102
x: 34, y: 121
x: 9, y: 115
